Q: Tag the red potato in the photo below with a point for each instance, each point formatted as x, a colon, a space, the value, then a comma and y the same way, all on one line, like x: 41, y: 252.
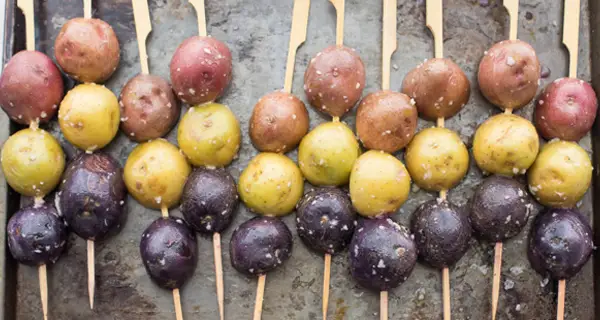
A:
x: 87, y: 49
x: 149, y: 109
x: 566, y: 109
x: 439, y: 87
x: 278, y: 123
x: 509, y: 74
x: 334, y: 80
x: 200, y: 70
x: 386, y: 120
x: 31, y: 87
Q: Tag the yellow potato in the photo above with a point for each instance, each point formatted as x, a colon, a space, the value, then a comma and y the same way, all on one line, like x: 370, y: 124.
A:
x: 32, y: 161
x: 437, y: 159
x: 327, y: 154
x: 155, y: 173
x: 89, y: 116
x: 209, y: 135
x: 561, y: 174
x: 271, y: 184
x: 379, y: 184
x: 505, y: 144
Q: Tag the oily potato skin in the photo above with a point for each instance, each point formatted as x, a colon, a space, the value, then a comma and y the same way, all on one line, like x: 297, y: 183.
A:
x: 209, y: 135
x: 271, y: 184
x: 561, y: 174
x: 155, y: 173
x: 89, y: 116
x: 87, y: 49
x: 149, y: 109
x: 437, y: 159
x: 334, y: 80
x: 32, y: 161
x: 200, y: 70
x: 566, y: 109
x: 439, y: 87
x: 505, y: 144
x: 386, y: 121
x: 327, y: 153
x: 379, y: 184
x: 31, y: 87
x: 278, y: 122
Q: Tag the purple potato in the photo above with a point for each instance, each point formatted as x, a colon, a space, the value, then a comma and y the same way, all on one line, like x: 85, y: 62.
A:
x: 499, y: 208
x: 325, y: 220
x: 209, y: 200
x: 560, y: 243
x: 36, y: 235
x: 92, y: 195
x: 260, y: 245
x: 169, y: 252
x: 442, y: 233
x: 382, y: 254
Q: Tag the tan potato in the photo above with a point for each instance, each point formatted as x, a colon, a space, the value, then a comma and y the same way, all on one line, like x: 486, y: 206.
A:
x: 209, y: 135
x: 505, y: 144
x: 379, y: 184
x: 155, y: 173
x: 87, y: 49
x: 334, y: 80
x: 561, y: 174
x: 278, y: 123
x: 509, y: 73
x: 32, y: 161
x: 271, y: 184
x: 89, y: 116
x: 437, y: 159
x: 386, y: 121
x: 327, y: 153
x: 439, y: 87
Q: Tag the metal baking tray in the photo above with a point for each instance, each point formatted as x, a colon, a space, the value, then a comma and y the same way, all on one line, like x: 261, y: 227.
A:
x: 257, y: 33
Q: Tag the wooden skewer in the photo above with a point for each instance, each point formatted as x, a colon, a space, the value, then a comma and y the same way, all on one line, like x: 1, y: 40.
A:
x: 571, y: 33
x: 87, y: 9
x: 512, y: 6
x: 91, y: 272
x: 340, y: 8
x: 389, y: 41
x: 446, y: 293
x: 260, y: 293
x: 496, y: 280
x: 560, y: 311
x: 43, y: 289
x: 27, y: 7
x: 297, y: 37
x: 326, y: 281
x: 143, y: 26
x: 383, y: 305
x: 508, y: 110
x: 219, y: 273
x: 176, y: 297
x: 434, y: 21
x: 201, y: 13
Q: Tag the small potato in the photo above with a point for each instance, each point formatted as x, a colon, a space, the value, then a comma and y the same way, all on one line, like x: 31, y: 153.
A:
x: 32, y: 161
x: 149, y: 109
x: 334, y: 80
x: 379, y: 184
x: 561, y: 174
x: 437, y: 159
x: 31, y: 87
x: 209, y: 135
x: 327, y: 154
x: 89, y: 116
x: 566, y: 109
x: 278, y: 123
x: 439, y: 87
x: 271, y: 184
x: 505, y: 144
x: 155, y: 173
x: 87, y: 49
x: 200, y: 70
x: 509, y: 73
x: 386, y: 121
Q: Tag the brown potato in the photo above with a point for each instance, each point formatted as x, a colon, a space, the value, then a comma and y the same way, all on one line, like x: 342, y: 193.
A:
x: 200, y: 70
x: 31, y: 87
x: 439, y: 87
x: 87, y: 49
x: 566, y: 109
x: 509, y: 74
x: 334, y: 80
x: 149, y: 109
x: 386, y: 120
x: 278, y: 122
